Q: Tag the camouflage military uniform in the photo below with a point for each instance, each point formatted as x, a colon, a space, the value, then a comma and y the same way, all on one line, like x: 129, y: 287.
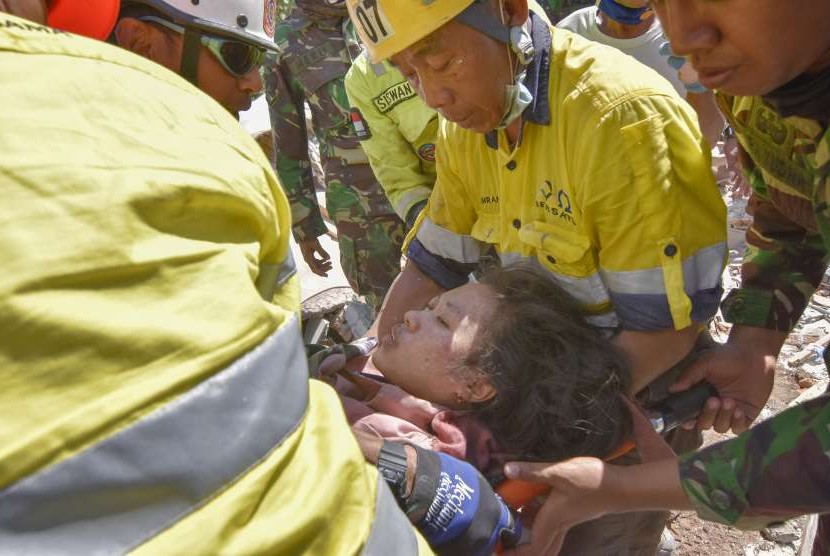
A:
x: 777, y: 470
x: 787, y: 162
x: 780, y: 468
x: 311, y: 67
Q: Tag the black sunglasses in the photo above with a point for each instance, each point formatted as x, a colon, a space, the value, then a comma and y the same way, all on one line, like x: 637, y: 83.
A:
x: 237, y: 57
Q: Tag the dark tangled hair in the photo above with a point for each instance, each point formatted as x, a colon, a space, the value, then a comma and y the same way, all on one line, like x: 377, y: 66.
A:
x: 558, y: 381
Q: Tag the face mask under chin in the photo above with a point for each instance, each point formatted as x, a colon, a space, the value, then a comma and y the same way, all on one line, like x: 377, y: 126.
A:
x: 518, y: 98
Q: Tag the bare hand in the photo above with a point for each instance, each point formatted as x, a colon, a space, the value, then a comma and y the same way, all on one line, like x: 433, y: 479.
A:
x: 581, y: 488
x: 577, y: 495
x: 742, y: 371
x: 319, y: 265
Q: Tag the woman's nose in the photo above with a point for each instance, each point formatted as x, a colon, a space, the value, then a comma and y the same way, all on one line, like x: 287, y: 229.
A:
x: 411, y: 320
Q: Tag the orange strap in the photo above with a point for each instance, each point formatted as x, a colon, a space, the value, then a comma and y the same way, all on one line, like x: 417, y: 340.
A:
x: 519, y: 493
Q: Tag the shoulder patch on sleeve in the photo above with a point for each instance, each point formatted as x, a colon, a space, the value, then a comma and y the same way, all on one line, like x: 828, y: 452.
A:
x: 361, y: 128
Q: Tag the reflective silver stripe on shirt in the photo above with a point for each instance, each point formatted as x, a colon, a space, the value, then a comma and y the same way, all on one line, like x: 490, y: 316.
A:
x: 391, y: 533
x: 274, y: 276
x: 126, y: 489
x: 608, y: 321
x: 444, y: 243
x: 408, y: 199
x: 589, y: 290
x: 701, y: 271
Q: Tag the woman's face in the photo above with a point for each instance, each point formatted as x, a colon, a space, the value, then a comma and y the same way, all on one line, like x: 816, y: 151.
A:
x: 422, y: 354
x: 748, y: 47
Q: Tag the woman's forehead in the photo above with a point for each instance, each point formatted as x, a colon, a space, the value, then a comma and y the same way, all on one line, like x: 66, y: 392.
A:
x: 467, y: 297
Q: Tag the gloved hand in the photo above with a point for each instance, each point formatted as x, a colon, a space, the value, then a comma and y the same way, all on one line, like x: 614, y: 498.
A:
x: 685, y: 71
x: 455, y: 508
x: 324, y: 360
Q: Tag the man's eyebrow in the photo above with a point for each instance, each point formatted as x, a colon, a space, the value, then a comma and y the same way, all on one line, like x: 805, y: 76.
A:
x: 424, y: 47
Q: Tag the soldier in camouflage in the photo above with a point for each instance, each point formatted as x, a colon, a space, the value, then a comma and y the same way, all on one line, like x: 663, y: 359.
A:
x: 780, y: 468
x: 776, y: 471
x: 315, y: 54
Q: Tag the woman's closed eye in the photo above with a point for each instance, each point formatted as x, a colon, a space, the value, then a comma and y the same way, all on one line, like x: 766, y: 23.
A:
x: 432, y: 306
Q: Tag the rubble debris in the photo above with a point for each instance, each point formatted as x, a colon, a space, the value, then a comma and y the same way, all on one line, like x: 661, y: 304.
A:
x: 768, y: 548
x: 781, y: 533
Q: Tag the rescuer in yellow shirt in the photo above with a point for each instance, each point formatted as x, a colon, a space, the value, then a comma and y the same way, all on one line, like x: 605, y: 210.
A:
x: 573, y: 157
x: 397, y: 131
x: 154, y: 389
x: 154, y: 392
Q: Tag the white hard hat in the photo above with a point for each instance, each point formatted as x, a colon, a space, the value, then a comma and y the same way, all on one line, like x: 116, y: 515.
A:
x: 251, y: 21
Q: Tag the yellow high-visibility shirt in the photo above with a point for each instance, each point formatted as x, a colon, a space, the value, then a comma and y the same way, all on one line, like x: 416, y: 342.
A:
x: 153, y: 385
x: 610, y: 189
x: 400, y: 131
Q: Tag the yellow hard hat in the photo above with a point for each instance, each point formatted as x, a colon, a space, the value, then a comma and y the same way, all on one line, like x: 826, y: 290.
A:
x: 387, y: 27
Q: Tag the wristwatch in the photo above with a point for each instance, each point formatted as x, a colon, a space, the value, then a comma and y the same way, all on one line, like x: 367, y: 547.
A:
x: 392, y: 465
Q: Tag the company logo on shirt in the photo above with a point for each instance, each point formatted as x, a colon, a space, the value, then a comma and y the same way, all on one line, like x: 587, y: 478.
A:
x: 555, y: 202
x: 393, y: 96
x: 427, y: 152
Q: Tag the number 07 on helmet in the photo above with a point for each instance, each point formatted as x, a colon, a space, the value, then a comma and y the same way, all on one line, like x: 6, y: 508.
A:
x: 387, y: 27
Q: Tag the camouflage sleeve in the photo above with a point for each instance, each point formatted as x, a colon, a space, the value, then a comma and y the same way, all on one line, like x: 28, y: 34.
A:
x: 783, y: 264
x: 285, y: 104
x: 777, y: 470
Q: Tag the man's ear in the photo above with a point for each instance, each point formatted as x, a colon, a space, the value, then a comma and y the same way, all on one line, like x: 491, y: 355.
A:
x: 480, y: 389
x: 516, y: 12
x: 137, y: 36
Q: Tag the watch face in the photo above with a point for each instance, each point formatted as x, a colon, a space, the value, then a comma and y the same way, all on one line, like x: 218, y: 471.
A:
x: 392, y: 475
x: 392, y: 465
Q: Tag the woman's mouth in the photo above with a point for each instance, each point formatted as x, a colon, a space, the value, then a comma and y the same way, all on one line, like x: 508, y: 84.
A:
x: 394, y: 334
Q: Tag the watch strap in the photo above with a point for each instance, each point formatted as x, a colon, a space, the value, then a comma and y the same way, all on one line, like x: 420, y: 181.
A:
x: 392, y: 466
